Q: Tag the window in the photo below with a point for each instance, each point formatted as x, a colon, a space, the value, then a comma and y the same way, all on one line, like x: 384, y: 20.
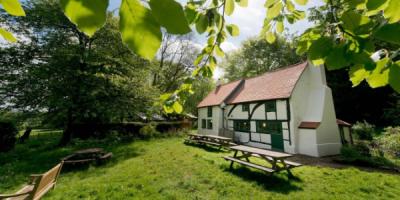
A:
x: 270, y: 127
x: 209, y: 112
x: 270, y: 106
x: 241, y: 125
x: 245, y: 107
x: 203, y: 124
x: 209, y: 124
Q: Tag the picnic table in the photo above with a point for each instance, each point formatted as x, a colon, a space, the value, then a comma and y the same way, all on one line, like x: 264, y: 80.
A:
x: 86, y: 156
x: 210, y: 139
x: 277, y: 160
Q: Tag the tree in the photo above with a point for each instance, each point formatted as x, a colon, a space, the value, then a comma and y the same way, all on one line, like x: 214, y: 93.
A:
x: 349, y: 40
x: 257, y: 56
x: 75, y: 79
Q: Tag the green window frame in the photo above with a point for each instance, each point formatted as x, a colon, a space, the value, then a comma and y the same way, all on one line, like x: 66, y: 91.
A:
x: 245, y: 107
x: 203, y: 124
x: 270, y: 127
x: 209, y: 111
x: 241, y: 125
x: 209, y: 124
x: 270, y: 106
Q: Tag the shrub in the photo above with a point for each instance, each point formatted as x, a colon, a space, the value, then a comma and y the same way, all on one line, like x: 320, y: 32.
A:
x: 8, y: 133
x: 363, y: 130
x: 389, y: 142
x: 148, y: 131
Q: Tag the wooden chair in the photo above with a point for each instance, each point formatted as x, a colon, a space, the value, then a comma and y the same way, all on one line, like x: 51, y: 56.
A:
x: 40, y: 184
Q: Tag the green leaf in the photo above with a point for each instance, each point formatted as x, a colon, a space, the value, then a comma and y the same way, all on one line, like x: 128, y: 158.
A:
x: 279, y: 26
x: 375, y: 6
x: 243, y: 3
x: 233, y: 30
x: 219, y: 51
x: 356, y: 23
x: 379, y: 77
x: 270, y: 37
x: 336, y: 59
x: 357, y: 74
x: 274, y: 10
x: 269, y: 3
x: 170, y: 15
x: 394, y: 76
x: 190, y: 14
x: 290, y: 6
x: 7, y: 35
x: 298, y: 14
x: 319, y: 49
x: 301, y: 2
x: 139, y: 30
x: 87, y: 15
x: 177, y: 107
x: 202, y: 23
x: 392, y: 11
x: 168, y: 109
x: 13, y: 7
x: 229, y: 7
x: 358, y: 4
x: 389, y: 33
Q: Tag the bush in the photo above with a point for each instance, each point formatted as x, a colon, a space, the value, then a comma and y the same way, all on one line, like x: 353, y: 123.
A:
x: 148, y: 131
x: 363, y: 130
x: 389, y: 142
x: 8, y: 133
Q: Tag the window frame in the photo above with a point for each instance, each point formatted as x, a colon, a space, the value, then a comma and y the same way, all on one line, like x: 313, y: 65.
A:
x: 245, y: 107
x: 274, y: 130
x: 240, y: 128
x: 209, y: 122
x: 209, y: 111
x: 270, y: 106
x: 203, y: 123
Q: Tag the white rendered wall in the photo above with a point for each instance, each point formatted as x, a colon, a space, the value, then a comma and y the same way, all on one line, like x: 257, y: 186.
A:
x: 312, y: 101
x: 216, y: 120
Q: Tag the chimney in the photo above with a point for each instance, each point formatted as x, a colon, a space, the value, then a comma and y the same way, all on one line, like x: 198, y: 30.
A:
x: 218, y: 85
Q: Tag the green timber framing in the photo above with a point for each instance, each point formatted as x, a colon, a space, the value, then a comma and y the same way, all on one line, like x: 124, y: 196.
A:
x: 250, y: 113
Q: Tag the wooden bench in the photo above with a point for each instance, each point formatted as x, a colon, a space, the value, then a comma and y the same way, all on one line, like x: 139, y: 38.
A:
x: 262, y: 168
x: 40, y: 184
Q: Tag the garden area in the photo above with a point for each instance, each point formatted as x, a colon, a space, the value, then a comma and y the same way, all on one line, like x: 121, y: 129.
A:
x: 166, y: 168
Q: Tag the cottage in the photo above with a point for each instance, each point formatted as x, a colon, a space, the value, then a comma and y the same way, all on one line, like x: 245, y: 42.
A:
x: 289, y: 109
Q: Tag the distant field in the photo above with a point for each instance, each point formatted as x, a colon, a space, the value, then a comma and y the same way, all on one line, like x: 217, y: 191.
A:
x: 169, y: 169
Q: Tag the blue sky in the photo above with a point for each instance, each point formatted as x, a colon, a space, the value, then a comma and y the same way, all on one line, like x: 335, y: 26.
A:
x: 250, y: 20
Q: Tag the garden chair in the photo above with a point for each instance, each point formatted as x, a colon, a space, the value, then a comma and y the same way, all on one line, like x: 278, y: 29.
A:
x: 40, y: 184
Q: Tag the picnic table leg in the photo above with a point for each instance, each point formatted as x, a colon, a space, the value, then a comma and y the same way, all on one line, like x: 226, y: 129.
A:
x: 234, y: 155
x: 247, y: 158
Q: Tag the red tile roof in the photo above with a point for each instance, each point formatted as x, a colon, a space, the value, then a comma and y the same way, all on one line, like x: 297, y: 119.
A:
x: 342, y: 123
x: 217, y: 96
x: 271, y: 85
x: 309, y: 125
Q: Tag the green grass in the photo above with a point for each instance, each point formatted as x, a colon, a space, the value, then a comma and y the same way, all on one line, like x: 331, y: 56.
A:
x: 168, y: 169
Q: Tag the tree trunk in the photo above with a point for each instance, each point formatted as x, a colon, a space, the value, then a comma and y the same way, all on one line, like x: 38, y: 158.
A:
x: 26, y: 135
x: 67, y: 134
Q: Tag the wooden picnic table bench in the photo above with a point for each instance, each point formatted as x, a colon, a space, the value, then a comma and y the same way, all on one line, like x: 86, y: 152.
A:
x: 277, y: 160
x: 209, y: 139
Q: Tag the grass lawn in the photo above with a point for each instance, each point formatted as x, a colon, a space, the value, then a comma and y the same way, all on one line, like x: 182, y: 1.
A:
x: 168, y: 169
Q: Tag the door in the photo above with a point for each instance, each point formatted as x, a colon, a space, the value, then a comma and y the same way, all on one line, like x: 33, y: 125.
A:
x: 276, y: 136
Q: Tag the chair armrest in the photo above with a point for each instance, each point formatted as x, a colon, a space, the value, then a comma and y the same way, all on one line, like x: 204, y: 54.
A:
x: 34, y: 177
x: 2, y: 196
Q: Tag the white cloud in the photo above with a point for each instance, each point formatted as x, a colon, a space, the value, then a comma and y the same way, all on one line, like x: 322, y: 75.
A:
x: 228, y: 46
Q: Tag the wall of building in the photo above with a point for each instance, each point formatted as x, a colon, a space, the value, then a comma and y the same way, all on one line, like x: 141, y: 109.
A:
x: 312, y: 101
x: 216, y: 120
x: 252, y: 137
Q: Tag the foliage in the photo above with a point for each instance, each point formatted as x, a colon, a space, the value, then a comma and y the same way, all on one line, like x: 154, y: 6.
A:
x: 257, y: 56
x: 389, y: 142
x: 8, y: 133
x: 166, y: 168
x: 73, y: 78
x: 14, y: 8
x: 359, y: 154
x: 148, y: 131
x: 364, y: 130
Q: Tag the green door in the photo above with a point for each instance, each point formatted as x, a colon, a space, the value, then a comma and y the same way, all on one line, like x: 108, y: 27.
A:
x: 277, y: 142
x: 276, y: 135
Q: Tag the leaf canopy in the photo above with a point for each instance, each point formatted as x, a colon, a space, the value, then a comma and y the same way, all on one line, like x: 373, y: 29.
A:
x: 170, y: 15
